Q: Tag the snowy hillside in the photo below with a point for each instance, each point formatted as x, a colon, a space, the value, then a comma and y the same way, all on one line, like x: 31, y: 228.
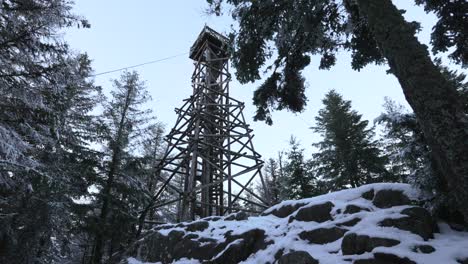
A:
x: 377, y: 223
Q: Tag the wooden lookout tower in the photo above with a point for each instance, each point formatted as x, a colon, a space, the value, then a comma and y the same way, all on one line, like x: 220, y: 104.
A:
x: 210, y: 160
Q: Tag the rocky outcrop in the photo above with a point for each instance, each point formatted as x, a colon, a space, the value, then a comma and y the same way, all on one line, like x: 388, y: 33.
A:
x: 284, y: 211
x: 175, y: 245
x: 297, y: 257
x: 418, y: 221
x: 323, y: 235
x: 373, y: 224
x: 385, y: 258
x: 389, y: 198
x: 239, y: 247
x: 425, y: 249
x: 317, y: 213
x: 352, y: 209
x: 354, y: 244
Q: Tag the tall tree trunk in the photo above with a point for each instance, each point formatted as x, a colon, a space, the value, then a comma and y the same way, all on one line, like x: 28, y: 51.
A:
x: 99, y: 239
x: 434, y: 100
x: 117, y: 149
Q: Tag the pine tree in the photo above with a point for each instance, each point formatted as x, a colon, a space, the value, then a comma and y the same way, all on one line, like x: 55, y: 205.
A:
x: 347, y: 156
x: 297, y: 175
x: 121, y: 189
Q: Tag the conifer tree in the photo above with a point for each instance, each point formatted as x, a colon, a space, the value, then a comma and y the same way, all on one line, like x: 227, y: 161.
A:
x: 37, y: 140
x: 72, y: 161
x: 290, y: 34
x: 248, y: 206
x: 297, y: 175
x: 402, y: 140
x: 410, y: 155
x: 121, y: 189
x: 272, y: 181
x: 347, y: 155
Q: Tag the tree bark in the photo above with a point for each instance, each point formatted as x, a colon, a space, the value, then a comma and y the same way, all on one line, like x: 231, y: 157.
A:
x: 434, y: 100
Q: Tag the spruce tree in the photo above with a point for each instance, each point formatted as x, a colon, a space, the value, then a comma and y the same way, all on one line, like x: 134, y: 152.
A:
x: 121, y: 194
x: 297, y: 175
x: 37, y: 140
x: 347, y: 155
x: 72, y: 161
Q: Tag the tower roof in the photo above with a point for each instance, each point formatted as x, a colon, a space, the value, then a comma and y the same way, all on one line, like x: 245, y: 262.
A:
x: 218, y: 43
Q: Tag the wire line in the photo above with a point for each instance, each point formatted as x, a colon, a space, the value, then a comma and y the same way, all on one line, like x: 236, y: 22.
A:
x: 139, y: 65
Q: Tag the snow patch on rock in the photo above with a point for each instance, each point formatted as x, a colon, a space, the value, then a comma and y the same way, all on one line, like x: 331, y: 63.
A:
x: 414, y: 230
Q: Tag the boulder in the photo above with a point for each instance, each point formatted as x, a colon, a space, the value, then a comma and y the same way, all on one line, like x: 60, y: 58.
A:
x: 369, y: 195
x: 236, y: 217
x: 353, y: 244
x: 207, y: 240
x: 197, y: 226
x: 418, y: 221
x: 297, y: 257
x: 352, y: 209
x: 425, y: 249
x: 212, y: 218
x: 285, y: 210
x: 238, y: 248
x: 188, y: 248
x: 463, y: 261
x: 351, y: 222
x: 279, y: 254
x: 317, y: 213
x: 191, y: 236
x: 158, y: 247
x: 323, y: 235
x: 385, y: 258
x: 390, y: 198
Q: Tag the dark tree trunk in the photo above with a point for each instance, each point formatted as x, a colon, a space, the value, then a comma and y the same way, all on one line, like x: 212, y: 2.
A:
x: 106, y: 196
x: 99, y: 239
x: 434, y: 100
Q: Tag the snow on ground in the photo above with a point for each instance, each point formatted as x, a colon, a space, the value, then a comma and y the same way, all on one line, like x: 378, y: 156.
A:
x: 449, y: 245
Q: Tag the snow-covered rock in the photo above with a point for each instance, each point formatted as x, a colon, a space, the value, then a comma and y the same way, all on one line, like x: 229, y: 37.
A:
x: 376, y: 223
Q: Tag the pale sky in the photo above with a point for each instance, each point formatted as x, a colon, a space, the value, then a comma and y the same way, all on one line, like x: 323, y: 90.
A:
x: 125, y: 33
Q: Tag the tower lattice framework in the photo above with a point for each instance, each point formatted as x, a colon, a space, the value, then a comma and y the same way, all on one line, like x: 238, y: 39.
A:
x: 210, y: 149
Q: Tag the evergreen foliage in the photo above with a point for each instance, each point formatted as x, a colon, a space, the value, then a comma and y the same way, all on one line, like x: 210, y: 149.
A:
x: 122, y: 187
x: 291, y: 32
x: 73, y: 182
x: 403, y: 143
x: 298, y: 178
x: 347, y: 156
x: 273, y: 179
x: 450, y: 31
x: 45, y: 98
x: 410, y: 156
